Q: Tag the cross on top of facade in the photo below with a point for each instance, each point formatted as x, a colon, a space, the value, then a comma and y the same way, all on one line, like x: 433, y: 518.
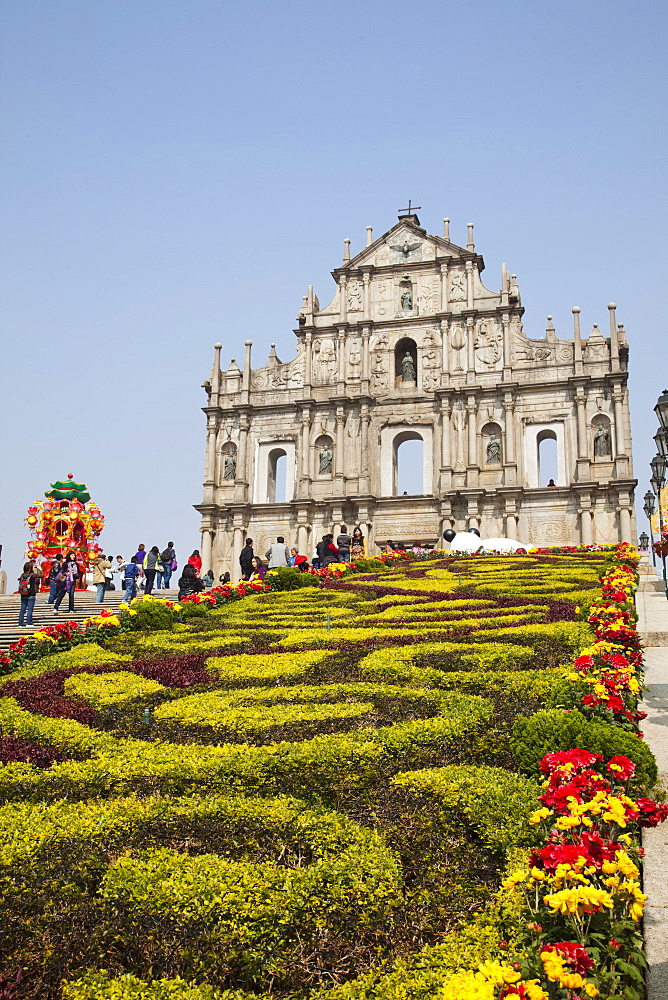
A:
x: 411, y: 209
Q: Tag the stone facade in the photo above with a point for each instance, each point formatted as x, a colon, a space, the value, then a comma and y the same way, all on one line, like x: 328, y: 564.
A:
x: 414, y: 346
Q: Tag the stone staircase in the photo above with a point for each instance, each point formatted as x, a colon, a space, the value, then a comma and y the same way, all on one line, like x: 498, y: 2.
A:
x: 84, y: 607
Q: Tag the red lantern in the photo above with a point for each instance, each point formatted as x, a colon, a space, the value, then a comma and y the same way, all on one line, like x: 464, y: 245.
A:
x: 31, y: 520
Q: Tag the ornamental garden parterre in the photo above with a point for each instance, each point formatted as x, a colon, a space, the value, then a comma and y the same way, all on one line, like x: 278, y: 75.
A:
x: 408, y: 778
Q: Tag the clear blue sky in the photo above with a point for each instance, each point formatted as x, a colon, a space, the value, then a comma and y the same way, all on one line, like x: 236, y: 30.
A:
x: 176, y: 173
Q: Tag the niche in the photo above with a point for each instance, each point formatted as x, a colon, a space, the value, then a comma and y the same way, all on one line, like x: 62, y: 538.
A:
x: 405, y: 362
x: 324, y: 457
x: 601, y: 447
x: 492, y: 454
x: 228, y: 462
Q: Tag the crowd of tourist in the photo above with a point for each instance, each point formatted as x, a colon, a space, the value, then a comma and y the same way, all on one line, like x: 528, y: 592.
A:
x: 152, y: 568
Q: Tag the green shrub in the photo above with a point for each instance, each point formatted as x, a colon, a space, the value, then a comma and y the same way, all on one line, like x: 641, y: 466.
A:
x: 152, y: 616
x: 496, y: 802
x: 101, y: 986
x: 549, y: 731
x: 189, y: 611
x: 286, y: 578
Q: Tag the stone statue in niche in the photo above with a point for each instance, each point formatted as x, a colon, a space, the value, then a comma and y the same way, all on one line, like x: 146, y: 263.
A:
x: 493, y: 450
x: 230, y: 466
x: 602, y: 445
x: 407, y: 368
x: 325, y: 461
x: 407, y: 300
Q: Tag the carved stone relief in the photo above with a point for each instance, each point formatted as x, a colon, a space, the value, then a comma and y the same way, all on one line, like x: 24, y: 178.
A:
x: 289, y: 375
x: 405, y: 248
x: 354, y: 358
x: 431, y: 362
x: 430, y: 295
x: 383, y: 291
x: 324, y: 361
x: 379, y: 374
x: 355, y: 296
x: 549, y: 530
x: 457, y: 345
x: 457, y: 286
x: 488, y: 347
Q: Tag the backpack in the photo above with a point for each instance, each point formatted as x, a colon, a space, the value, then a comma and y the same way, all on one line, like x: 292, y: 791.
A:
x: 24, y: 585
x: 166, y: 556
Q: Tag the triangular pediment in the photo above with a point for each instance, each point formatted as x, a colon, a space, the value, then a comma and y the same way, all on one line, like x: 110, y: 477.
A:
x: 404, y: 243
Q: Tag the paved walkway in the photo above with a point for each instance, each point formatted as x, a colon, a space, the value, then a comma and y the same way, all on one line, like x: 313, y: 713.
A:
x: 653, y: 624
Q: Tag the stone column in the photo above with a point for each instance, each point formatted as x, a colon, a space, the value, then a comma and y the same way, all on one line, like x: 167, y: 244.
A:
x: 581, y: 402
x: 342, y: 374
x: 302, y: 539
x: 364, y: 441
x: 211, y: 436
x: 246, y: 374
x: 586, y: 526
x: 338, y: 451
x: 446, y: 456
x: 472, y: 409
x: 366, y: 333
x: 242, y: 479
x: 445, y: 351
x: 207, y: 548
x: 614, y: 343
x: 469, y: 284
x: 237, y: 545
x: 509, y: 453
x: 625, y: 525
x: 308, y: 357
x: 507, y: 354
x: 470, y: 353
x: 618, y: 400
x: 343, y: 285
x: 215, y: 379
x: 366, y: 298
x: 444, y: 286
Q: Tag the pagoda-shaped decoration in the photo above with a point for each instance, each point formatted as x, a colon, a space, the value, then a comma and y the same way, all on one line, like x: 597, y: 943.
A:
x: 65, y: 521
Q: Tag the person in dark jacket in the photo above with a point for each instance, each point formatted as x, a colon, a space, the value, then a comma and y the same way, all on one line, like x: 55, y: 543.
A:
x: 167, y: 558
x: 189, y: 583
x: 343, y: 543
x: 29, y: 584
x: 53, y: 573
x: 246, y: 559
x: 327, y: 551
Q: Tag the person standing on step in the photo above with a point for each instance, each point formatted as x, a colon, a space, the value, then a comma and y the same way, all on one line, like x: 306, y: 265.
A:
x: 168, y: 558
x: 195, y: 560
x: 53, y: 573
x: 151, y: 563
x: 29, y: 584
x: 343, y: 543
x: 141, y: 555
x: 70, y: 573
x: 100, y: 566
x: 130, y: 580
x: 278, y: 554
x: 246, y: 559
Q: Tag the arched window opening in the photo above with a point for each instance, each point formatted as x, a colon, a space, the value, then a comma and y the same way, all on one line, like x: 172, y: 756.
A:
x: 405, y: 361
x: 277, y: 467
x: 548, y: 469
x: 408, y: 464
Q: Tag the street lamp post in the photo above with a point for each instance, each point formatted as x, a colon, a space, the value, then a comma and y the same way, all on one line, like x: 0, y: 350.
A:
x: 658, y: 465
x: 648, y: 507
x: 644, y: 541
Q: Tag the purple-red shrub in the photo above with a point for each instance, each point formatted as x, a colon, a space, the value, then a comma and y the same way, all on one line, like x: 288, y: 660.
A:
x: 173, y: 671
x: 45, y: 695
x: 12, y: 750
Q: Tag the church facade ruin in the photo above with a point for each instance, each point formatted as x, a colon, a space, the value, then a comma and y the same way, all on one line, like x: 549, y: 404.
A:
x: 414, y: 347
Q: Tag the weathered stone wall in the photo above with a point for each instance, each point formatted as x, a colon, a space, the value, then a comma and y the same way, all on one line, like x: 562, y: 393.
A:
x: 413, y: 345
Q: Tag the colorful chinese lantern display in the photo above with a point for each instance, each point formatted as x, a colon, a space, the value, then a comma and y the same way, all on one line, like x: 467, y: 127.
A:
x: 66, y: 520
